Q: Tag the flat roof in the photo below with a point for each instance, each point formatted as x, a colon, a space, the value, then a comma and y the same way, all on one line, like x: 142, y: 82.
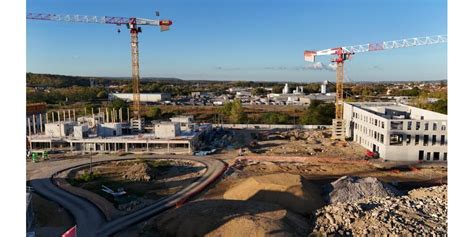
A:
x: 395, y: 110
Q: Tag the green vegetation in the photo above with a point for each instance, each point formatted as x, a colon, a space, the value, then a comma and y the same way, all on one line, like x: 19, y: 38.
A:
x: 153, y: 112
x: 318, y: 113
x: 234, y: 112
x: 259, y: 91
x: 274, y: 118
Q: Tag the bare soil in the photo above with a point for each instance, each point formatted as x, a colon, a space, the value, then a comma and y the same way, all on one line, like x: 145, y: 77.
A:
x: 49, y: 219
x: 165, y: 177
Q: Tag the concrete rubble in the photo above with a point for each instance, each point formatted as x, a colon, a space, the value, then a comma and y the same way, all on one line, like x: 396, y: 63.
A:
x: 352, y: 188
x: 423, y: 212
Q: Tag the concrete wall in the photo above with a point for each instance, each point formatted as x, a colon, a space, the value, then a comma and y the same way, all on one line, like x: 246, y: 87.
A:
x: 59, y: 129
x: 167, y: 130
x: 152, y: 97
x: 80, y: 131
x: 271, y: 126
x: 109, y: 129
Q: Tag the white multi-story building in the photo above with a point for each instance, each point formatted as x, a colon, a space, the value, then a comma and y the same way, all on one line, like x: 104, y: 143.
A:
x: 397, y: 131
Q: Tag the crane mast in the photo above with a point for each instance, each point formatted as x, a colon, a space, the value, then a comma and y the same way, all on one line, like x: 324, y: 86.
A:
x: 133, y: 24
x: 345, y: 53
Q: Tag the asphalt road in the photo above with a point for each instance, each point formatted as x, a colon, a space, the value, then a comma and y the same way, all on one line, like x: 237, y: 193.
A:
x: 90, y: 220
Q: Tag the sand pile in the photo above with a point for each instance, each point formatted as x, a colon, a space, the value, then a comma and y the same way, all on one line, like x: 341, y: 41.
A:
x: 140, y: 171
x: 352, y: 188
x: 288, y: 190
x: 226, y: 218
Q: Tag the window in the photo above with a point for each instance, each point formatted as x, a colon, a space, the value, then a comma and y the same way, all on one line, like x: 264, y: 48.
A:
x: 408, y: 139
x: 376, y: 122
x: 381, y: 138
x: 436, y: 156
x: 427, y: 125
x: 443, y: 126
x: 433, y: 140
x: 417, y: 139
x: 445, y: 156
x: 409, y: 125
x: 441, y: 142
x: 435, y: 126
x: 396, y: 139
x: 383, y: 125
x: 425, y: 140
x: 428, y: 155
x: 417, y: 125
x: 396, y: 125
x: 421, y: 155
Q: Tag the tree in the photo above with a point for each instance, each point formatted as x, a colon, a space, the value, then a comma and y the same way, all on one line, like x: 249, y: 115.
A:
x: 318, y: 113
x: 153, y: 112
x: 118, y: 103
x: 278, y: 88
x: 236, y: 113
x: 259, y: 91
x: 274, y: 118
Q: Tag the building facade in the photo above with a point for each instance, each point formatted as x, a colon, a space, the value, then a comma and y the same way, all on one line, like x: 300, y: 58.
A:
x: 396, y: 131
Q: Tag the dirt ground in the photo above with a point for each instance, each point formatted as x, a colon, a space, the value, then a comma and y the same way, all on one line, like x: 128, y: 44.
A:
x: 49, y: 218
x: 166, y: 177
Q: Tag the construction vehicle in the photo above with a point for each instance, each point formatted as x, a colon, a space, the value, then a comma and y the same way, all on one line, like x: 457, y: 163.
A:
x: 345, y: 53
x: 134, y: 25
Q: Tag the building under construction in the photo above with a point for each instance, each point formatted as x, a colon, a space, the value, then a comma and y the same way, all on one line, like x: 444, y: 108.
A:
x: 397, y: 131
x: 108, y: 131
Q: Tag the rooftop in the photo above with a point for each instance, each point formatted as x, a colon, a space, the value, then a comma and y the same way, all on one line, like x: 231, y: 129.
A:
x: 394, y: 110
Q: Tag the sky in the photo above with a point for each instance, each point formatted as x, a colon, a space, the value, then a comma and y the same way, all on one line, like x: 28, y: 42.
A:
x: 248, y: 40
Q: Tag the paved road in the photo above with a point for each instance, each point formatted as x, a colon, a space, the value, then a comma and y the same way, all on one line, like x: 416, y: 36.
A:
x: 90, y: 220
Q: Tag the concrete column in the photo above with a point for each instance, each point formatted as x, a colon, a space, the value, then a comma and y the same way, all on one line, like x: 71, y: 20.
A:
x: 120, y: 115
x: 113, y: 115
x: 41, y: 123
x: 64, y: 115
x: 29, y: 126
x: 52, y: 116
x: 128, y: 114
x: 74, y: 114
x: 34, y: 123
x: 106, y: 115
x: 69, y: 114
x: 168, y: 147
x: 147, y: 146
x: 70, y: 146
x: 115, y: 146
x: 126, y: 147
x: 50, y: 145
x: 47, y: 120
x: 189, y: 147
x: 95, y: 147
x: 59, y: 116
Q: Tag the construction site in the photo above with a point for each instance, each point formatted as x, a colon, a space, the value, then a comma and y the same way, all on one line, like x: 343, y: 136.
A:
x: 378, y: 169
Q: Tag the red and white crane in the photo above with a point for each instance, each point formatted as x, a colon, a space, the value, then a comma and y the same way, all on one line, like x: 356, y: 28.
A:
x: 134, y: 25
x: 346, y: 52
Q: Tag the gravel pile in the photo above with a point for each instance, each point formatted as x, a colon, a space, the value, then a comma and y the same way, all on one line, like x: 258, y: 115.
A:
x: 423, y: 212
x: 351, y: 188
x: 139, y: 172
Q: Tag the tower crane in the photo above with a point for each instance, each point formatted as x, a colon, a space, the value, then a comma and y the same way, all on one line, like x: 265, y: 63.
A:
x: 134, y: 25
x: 346, y: 52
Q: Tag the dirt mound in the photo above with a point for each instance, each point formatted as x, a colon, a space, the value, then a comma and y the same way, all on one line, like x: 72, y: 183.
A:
x: 140, y: 171
x: 288, y: 190
x: 353, y: 188
x: 226, y: 218
x: 423, y: 212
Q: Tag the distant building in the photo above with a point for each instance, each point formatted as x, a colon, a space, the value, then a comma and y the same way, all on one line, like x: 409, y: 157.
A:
x: 144, y: 97
x: 286, y: 89
x: 396, y: 131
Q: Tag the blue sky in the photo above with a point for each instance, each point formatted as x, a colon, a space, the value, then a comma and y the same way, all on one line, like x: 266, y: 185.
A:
x: 259, y: 40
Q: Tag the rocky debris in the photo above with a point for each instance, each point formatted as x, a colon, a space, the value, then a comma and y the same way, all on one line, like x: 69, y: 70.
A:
x: 140, y: 171
x: 423, y: 212
x: 352, y: 188
x: 217, y: 139
x: 131, y: 206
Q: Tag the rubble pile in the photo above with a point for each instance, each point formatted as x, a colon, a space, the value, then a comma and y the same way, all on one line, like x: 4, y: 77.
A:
x: 217, y: 139
x: 423, y: 212
x: 352, y: 188
x: 140, y: 171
